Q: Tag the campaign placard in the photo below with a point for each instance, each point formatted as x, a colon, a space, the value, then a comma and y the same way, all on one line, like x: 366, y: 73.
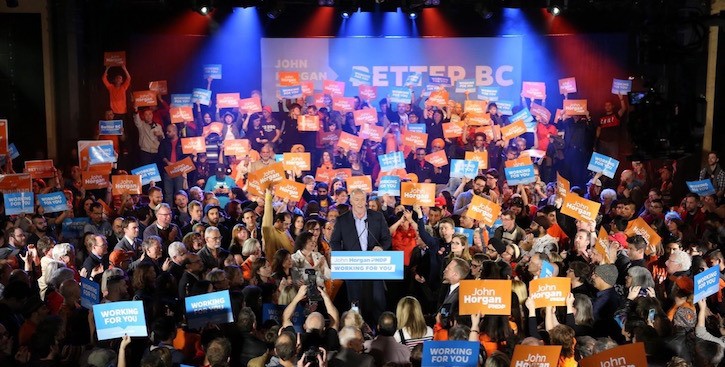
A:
x: 413, y: 79
x: 518, y: 162
x: 513, y: 130
x: 417, y: 128
x: 291, y: 92
x: 16, y: 182
x: 464, y: 168
x: 288, y: 78
x: 236, y: 147
x: 437, y: 98
x: 110, y: 127
x: 40, y: 169
x: 575, y: 107
x: 114, y: 58
x: 360, y: 75
x: 413, y: 193
x: 437, y: 159
x: 533, y: 90
x: 250, y: 105
x: 520, y: 175
x: 368, y: 92
x: 475, y: 106
x: 621, y: 87
x: 452, y: 130
x: 439, y: 80
x: 466, y: 232
x: 481, y: 157
x: 562, y: 186
x: 547, y: 270
x: 604, y: 164
x: 400, y: 95
x: 466, y: 86
x: 567, y: 85
x: 391, y: 161
x: 308, y: 123
x: 73, y: 227
x: 213, y: 71
x: 101, y: 153
x: 227, y: 100
x: 414, y: 140
x: 524, y: 114
x: 478, y: 119
x: 19, y: 203
x: 333, y: 88
x: 483, y: 210
x: 270, y: 174
x: 638, y: 226
x: 580, y: 208
x: 625, y: 356
x: 53, y: 202
x: 201, y: 96
x: 11, y: 149
x: 350, y: 142
x: 149, y: 173
x: 160, y: 87
x: 126, y: 184
x: 365, y: 116
x: 116, y: 319
x: 487, y: 94
x: 181, y: 100
x: 540, y: 111
x: 702, y: 187
x: 271, y: 311
x: 488, y: 297
x: 505, y: 107
x: 296, y: 161
x: 367, y: 265
x: 372, y: 132
x: 289, y: 190
x: 144, y: 98
x: 364, y: 183
x: 707, y: 283
x: 550, y: 291
x: 537, y: 356
x: 389, y: 185
x: 343, y: 104
x: 308, y: 88
x: 90, y: 293
x: 179, y: 168
x: 93, y: 180
x: 193, y: 145
x: 211, y: 308
x: 450, y: 353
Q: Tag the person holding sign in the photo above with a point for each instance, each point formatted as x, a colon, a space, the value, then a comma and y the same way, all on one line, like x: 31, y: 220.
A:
x: 361, y: 229
x: 117, y: 91
x: 609, y: 129
x: 150, y: 135
x: 715, y: 173
x: 170, y: 152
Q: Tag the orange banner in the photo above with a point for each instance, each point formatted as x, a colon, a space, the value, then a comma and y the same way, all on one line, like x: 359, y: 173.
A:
x: 452, y: 130
x: 193, y: 145
x: 562, y: 186
x: 518, y: 162
x: 343, y: 104
x: 288, y: 78
x: 481, y: 157
x: 479, y: 119
x: 580, y: 208
x: 181, y: 114
x: 422, y: 194
x: 372, y: 132
x: 575, y: 107
x: 308, y: 88
x: 364, y: 183
x: 513, y: 130
x: 92, y: 180
x: 254, y: 186
x: 144, y: 98
x: 415, y: 139
x: 114, y: 58
x: 3, y: 136
x: 640, y: 227
x: 483, y: 210
x: 270, y: 174
x: 437, y: 98
x: 549, y: 291
x: 342, y: 173
x: 368, y: 92
x: 288, y: 189
x: 179, y: 168
x: 350, y: 142
x: 324, y: 175
x: 437, y: 159
x: 475, y: 106
x: 537, y: 355
x: 17, y: 182
x: 308, y: 123
x: 365, y: 116
x: 40, y: 169
x: 250, y: 105
x: 159, y: 87
x: 296, y: 161
x: 227, y: 100
x: 214, y: 127
x: 625, y: 355
x: 533, y: 90
x: 333, y: 88
x: 236, y: 147
x: 600, y: 247
x: 126, y: 184
x: 487, y: 297
x: 319, y: 100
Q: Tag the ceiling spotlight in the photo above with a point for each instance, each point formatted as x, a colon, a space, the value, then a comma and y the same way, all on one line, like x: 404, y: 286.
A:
x: 379, y: 1
x: 204, y: 10
x: 484, y: 11
x: 412, y: 15
x: 203, y: 7
x: 555, y: 10
x: 556, y: 7
x: 345, y: 14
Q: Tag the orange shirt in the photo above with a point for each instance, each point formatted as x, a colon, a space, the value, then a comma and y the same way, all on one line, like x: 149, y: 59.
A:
x: 117, y: 95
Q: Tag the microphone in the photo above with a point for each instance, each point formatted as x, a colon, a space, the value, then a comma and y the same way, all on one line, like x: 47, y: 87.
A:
x: 375, y: 238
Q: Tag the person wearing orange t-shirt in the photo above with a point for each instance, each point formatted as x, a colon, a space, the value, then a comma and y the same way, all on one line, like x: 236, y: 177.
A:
x: 117, y: 91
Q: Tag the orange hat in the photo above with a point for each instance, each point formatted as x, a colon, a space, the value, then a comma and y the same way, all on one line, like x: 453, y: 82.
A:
x: 439, y: 141
x: 117, y: 257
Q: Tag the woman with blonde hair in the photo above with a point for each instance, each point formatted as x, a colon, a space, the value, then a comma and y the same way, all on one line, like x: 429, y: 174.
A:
x: 411, y: 323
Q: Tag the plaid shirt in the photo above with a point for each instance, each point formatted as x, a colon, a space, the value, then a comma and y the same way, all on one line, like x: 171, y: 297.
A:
x: 717, y: 176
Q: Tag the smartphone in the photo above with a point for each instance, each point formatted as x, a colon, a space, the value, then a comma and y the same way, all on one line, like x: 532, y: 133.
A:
x: 651, y: 315
x: 620, y: 321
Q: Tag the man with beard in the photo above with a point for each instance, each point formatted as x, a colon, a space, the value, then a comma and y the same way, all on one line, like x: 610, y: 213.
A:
x: 39, y: 229
x: 116, y: 289
x: 537, y: 240
x: 464, y: 199
x: 162, y: 227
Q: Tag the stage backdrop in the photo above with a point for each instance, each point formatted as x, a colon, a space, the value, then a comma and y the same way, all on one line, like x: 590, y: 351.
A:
x: 490, y: 62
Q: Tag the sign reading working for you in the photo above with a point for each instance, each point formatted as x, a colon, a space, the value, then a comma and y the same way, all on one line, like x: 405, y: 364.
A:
x: 367, y: 265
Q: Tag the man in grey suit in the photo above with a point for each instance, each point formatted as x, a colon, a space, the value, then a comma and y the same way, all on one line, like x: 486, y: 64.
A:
x: 361, y: 229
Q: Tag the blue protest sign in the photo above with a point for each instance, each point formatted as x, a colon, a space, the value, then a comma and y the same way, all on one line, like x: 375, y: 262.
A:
x: 110, y: 127
x: 450, y: 354
x: 487, y: 94
x: 389, y: 185
x: 524, y: 114
x: 201, y: 96
x: 73, y: 227
x: 466, y: 231
x: 53, y: 202
x: 114, y: 319
x: 271, y: 311
x: 702, y: 187
x: 505, y: 108
x: 213, y: 71
x: 464, y: 168
x: 367, y: 265
x: 391, y: 161
x: 620, y: 86
x: 520, y: 175
x: 601, y: 163
x: 292, y: 92
x: 181, y: 100
x: 101, y: 154
x: 430, y: 88
x: 707, y: 283
x: 210, y: 308
x: 360, y: 75
x: 547, y: 270
x: 19, y: 203
x: 148, y: 173
x: 278, y: 157
x: 440, y: 80
x: 90, y: 293
x: 413, y: 79
x: 466, y: 86
x: 418, y: 128
x: 400, y: 95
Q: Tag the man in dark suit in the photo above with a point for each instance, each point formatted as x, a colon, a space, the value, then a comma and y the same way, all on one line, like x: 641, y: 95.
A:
x: 361, y: 229
x: 456, y: 271
x: 130, y: 241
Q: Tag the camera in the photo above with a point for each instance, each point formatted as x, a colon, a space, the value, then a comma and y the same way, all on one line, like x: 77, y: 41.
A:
x: 313, y: 294
x: 311, y: 357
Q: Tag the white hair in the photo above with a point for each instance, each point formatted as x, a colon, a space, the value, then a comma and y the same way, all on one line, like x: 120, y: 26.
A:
x: 59, y: 276
x: 107, y: 274
x: 209, y: 230
x: 608, y: 194
x: 347, y: 334
x: 682, y: 258
x: 250, y: 246
x: 174, y: 248
x: 50, y: 268
x: 62, y: 249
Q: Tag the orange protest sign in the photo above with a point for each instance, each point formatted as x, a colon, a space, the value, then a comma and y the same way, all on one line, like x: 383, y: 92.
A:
x: 214, y: 127
x: 475, y: 106
x: 481, y: 157
x: 144, y: 98
x: 329, y: 137
x: 415, y: 139
x: 296, y: 161
x: 288, y: 189
x: 181, y: 114
x: 102, y: 153
x: 288, y: 78
x: 114, y: 58
x: 160, y: 87
x: 562, y: 186
x: 3, y: 136
x: 308, y: 123
x: 254, y: 187
x: 437, y: 159
x: 193, y: 145
x: 599, y: 246
x: 350, y: 142
x: 179, y: 168
x: 479, y: 119
x: 17, y: 182
x: 558, y: 115
x: 483, y: 210
x: 640, y: 227
x: 324, y: 175
x: 93, y: 180
x: 422, y: 194
x: 308, y: 88
x: 364, y: 183
x: 536, y: 355
x: 513, y: 130
x: 342, y: 173
x: 437, y: 98
x: 236, y: 147
x: 126, y: 184
x: 365, y: 116
x: 372, y: 132
x: 575, y: 107
x: 104, y: 168
x: 368, y: 92
x: 488, y: 297
x: 343, y: 104
x: 518, y: 162
x: 333, y: 88
x: 580, y: 208
x: 452, y: 130
x: 40, y: 169
x: 270, y: 174
x: 319, y: 100
x: 549, y: 291
x: 250, y: 105
x: 227, y: 100
x: 625, y: 355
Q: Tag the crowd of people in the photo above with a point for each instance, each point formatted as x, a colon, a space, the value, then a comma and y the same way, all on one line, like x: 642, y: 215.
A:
x: 205, y: 232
